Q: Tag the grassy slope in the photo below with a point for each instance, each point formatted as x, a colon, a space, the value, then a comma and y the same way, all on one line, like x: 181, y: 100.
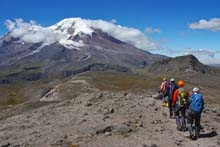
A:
x: 21, y: 72
x: 145, y: 81
x: 114, y: 81
x: 11, y: 94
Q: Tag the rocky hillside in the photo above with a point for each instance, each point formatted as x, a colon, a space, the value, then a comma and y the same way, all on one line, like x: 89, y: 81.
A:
x: 188, y: 64
x: 66, y: 117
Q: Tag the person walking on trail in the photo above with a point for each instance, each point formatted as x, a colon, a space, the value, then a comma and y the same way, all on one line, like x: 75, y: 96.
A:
x: 164, y: 89
x: 172, y: 88
x: 196, y: 105
x: 180, y: 101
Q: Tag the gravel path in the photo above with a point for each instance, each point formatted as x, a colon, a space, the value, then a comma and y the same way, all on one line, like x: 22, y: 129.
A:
x: 103, y: 119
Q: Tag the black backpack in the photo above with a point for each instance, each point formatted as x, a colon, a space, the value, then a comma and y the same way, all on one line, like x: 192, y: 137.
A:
x: 172, y: 88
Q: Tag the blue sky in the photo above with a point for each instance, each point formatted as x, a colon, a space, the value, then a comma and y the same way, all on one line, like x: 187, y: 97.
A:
x: 168, y: 20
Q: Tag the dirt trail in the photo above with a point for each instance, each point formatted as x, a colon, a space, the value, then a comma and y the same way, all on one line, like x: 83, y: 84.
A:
x: 103, y: 119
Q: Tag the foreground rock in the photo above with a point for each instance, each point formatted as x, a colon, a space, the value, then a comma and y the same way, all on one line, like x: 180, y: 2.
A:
x: 100, y: 118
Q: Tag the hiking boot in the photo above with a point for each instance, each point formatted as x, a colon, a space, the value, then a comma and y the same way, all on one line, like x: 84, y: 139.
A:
x: 179, y: 129
x: 184, y: 129
x: 195, y: 137
x: 191, y: 136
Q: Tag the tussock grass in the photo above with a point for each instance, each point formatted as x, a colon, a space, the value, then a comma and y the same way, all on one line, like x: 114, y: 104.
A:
x: 11, y: 94
x: 117, y: 81
x: 14, y: 99
x: 111, y: 81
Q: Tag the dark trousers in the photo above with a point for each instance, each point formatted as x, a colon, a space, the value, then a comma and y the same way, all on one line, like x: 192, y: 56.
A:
x: 165, y: 97
x: 170, y: 106
x: 194, y: 118
x: 180, y: 114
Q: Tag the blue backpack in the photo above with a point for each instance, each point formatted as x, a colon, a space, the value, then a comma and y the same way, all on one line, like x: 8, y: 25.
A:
x: 197, y: 103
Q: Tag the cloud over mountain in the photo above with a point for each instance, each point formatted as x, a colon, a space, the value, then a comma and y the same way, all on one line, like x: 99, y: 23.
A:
x: 33, y: 33
x: 206, y: 56
x: 200, y: 52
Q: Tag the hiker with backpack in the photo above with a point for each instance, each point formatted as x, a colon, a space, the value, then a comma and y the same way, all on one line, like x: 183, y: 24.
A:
x: 164, y: 90
x: 196, y: 105
x: 172, y: 88
x: 180, y: 101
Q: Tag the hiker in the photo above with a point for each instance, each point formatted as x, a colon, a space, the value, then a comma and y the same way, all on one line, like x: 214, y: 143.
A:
x: 180, y: 100
x: 163, y: 89
x: 172, y: 88
x: 196, y: 105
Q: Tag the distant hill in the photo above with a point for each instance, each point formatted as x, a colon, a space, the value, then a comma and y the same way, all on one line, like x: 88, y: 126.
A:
x: 214, y: 65
x: 181, y: 65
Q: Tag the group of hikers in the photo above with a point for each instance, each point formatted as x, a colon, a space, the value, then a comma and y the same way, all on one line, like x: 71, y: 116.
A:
x: 185, y: 108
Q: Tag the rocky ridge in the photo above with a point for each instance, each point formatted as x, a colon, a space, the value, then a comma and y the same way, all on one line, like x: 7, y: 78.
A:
x: 94, y: 118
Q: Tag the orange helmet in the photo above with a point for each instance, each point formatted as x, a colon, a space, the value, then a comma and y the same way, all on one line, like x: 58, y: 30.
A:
x: 180, y: 83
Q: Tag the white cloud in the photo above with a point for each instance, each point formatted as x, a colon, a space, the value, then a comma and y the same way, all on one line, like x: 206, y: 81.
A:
x: 10, y: 24
x: 152, y: 30
x: 32, y: 33
x: 206, y: 56
x: 113, y: 21
x: 212, y: 24
x: 126, y: 34
x: 210, y: 60
x: 200, y: 52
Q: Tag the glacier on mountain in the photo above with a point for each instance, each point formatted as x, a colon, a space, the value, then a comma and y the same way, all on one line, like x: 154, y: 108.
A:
x: 66, y: 29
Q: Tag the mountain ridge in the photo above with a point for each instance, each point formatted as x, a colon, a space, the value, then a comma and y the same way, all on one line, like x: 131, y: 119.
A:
x: 34, y: 61
x: 187, y: 64
x: 77, y: 45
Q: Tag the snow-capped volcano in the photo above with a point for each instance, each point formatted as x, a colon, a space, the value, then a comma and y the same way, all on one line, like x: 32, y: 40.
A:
x: 73, y: 26
x: 71, y: 46
x: 66, y: 29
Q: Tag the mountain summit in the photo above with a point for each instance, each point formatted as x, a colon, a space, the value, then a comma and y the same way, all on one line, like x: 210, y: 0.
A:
x: 66, y: 29
x: 182, y: 65
x: 30, y: 51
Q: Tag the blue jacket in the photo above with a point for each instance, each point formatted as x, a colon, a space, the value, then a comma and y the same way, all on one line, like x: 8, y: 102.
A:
x: 196, y: 103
